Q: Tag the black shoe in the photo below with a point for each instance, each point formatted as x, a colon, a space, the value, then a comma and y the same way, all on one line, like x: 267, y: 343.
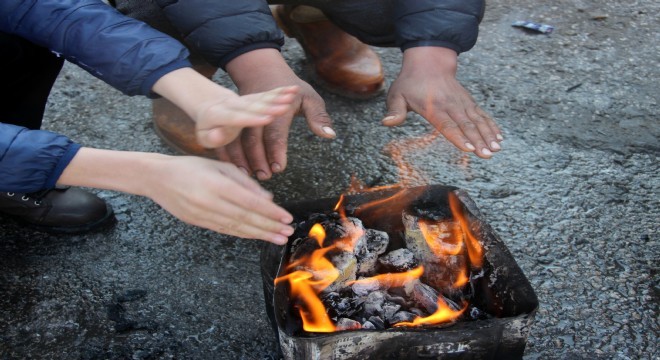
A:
x: 60, y: 210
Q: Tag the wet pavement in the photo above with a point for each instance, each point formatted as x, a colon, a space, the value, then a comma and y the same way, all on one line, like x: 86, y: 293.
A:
x: 575, y: 195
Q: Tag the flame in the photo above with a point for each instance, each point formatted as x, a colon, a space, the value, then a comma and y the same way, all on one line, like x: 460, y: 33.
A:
x: 317, y: 232
x: 474, y: 248
x: 442, y: 315
x: 449, y: 246
x: 392, y: 279
x: 305, y: 284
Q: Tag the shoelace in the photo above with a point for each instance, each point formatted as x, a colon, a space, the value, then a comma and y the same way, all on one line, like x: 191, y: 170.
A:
x: 37, y: 195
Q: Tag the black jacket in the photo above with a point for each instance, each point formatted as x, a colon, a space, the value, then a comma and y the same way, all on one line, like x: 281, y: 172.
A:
x: 221, y: 30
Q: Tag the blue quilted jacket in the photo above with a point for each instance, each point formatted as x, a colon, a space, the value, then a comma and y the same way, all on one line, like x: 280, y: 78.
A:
x: 123, y: 52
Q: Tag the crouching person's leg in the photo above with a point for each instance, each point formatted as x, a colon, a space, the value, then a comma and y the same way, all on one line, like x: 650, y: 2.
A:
x: 28, y: 73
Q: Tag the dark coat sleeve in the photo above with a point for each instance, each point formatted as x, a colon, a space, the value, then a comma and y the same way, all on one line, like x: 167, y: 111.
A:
x: 32, y: 160
x: 222, y: 30
x: 125, y: 53
x: 448, y: 23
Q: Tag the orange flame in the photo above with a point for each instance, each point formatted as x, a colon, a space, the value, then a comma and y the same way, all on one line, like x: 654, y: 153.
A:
x: 305, y: 284
x: 392, y: 279
x: 442, y: 315
x: 475, y: 251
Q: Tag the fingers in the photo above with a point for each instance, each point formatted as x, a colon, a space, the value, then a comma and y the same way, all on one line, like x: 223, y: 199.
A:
x: 276, y: 140
x: 397, y: 108
x: 220, y: 122
x: 318, y: 120
x: 254, y: 149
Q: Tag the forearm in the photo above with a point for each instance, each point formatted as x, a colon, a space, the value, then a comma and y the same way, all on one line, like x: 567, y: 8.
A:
x: 123, y: 171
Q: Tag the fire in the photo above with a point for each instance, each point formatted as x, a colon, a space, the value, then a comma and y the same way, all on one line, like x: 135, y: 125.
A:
x: 474, y: 249
x: 392, y: 280
x: 442, y: 315
x: 310, y: 274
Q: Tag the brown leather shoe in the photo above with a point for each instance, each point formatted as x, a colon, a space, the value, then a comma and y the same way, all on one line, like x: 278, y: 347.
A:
x: 339, y: 61
x: 174, y: 126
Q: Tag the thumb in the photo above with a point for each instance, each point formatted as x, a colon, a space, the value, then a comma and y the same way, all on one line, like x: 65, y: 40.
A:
x: 317, y: 118
x: 397, y: 108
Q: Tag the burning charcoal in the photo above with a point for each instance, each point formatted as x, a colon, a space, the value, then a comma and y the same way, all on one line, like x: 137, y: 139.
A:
x: 396, y: 299
x: 375, y: 243
x: 417, y: 312
x: 389, y: 309
x: 378, y: 322
x: 346, y: 265
x: 348, y: 324
x: 373, y: 305
x: 423, y: 295
x: 440, y: 247
x: 368, y: 325
x: 440, y: 240
x: 364, y: 288
x: 339, y: 306
x: 399, y: 260
x: 403, y: 316
x: 350, y: 229
x: 303, y: 247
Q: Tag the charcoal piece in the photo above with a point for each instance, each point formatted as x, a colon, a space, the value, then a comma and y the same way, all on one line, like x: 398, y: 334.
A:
x: 364, y: 288
x: 423, y: 295
x: 368, y: 325
x: 396, y: 299
x: 375, y: 243
x: 346, y: 265
x: 303, y: 247
x: 373, y: 304
x: 378, y: 322
x: 443, y: 254
x: 417, y: 312
x: 347, y: 324
x: 445, y: 238
x: 397, y: 261
x: 389, y: 309
x: 402, y: 316
x: 350, y: 229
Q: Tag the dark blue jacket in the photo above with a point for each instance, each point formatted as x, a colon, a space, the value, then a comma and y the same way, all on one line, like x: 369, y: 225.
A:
x: 125, y: 53
x: 221, y: 30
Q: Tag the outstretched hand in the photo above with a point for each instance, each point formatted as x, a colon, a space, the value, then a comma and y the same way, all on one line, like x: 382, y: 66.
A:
x: 218, y: 197
x: 262, y: 150
x: 427, y: 85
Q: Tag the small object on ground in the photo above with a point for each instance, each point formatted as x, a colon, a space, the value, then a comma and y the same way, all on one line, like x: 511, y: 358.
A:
x: 542, y: 28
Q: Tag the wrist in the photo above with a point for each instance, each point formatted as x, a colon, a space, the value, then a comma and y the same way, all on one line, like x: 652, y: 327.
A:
x: 423, y: 58
x: 258, y: 67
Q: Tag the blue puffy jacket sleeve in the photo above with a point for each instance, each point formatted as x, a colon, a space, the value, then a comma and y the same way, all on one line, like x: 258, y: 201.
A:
x: 125, y: 53
x: 31, y: 160
x: 222, y: 33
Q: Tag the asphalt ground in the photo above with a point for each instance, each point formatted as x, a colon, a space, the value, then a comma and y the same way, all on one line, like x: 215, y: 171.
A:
x: 574, y: 194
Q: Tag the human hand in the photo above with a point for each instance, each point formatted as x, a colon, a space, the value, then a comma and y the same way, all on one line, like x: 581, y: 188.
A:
x: 219, y: 121
x: 218, y: 112
x: 427, y: 85
x: 217, y: 196
x: 261, y: 151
